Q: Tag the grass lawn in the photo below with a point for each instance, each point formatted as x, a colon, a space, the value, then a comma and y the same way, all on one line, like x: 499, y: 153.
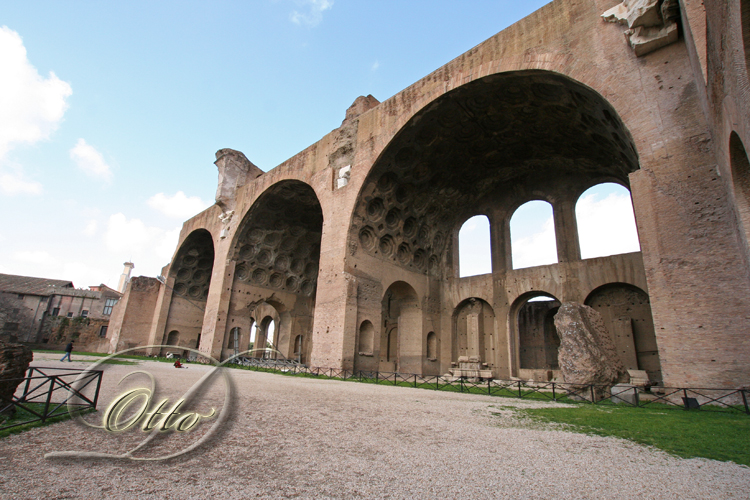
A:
x: 22, y: 415
x: 696, y: 433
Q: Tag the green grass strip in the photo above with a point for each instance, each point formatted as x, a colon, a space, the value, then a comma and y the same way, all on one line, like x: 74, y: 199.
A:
x: 688, y: 434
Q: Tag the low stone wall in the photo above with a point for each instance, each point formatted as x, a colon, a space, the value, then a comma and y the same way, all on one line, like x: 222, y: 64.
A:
x: 57, y: 331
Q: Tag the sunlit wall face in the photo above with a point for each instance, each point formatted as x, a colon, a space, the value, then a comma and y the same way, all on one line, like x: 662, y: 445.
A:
x: 606, y: 223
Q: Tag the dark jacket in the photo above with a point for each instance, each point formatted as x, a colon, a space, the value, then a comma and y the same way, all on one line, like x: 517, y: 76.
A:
x: 69, y: 347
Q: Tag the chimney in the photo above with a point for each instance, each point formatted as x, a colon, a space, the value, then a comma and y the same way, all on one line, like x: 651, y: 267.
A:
x: 125, y: 277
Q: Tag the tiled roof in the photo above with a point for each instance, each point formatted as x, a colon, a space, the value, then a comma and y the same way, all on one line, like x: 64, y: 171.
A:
x: 34, y: 286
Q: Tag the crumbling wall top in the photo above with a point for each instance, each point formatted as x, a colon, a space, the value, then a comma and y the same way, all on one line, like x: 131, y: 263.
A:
x: 235, y: 170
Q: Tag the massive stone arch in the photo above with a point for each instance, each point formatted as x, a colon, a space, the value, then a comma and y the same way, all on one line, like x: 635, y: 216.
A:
x: 190, y: 274
x: 464, y: 150
x: 275, y: 257
x: 485, y: 147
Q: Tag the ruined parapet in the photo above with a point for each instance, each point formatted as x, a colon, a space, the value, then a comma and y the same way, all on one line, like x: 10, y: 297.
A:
x: 652, y: 24
x: 345, y: 138
x: 587, y: 354
x: 359, y: 106
x: 14, y: 361
x: 235, y: 170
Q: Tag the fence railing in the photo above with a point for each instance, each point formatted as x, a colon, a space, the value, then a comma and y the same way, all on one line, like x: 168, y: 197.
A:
x: 47, y: 392
x: 712, y: 399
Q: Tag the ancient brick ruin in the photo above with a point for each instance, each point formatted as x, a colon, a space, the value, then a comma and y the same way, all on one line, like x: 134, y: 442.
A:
x: 350, y: 248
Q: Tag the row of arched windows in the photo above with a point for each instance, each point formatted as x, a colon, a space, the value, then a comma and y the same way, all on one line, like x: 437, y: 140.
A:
x: 606, y: 226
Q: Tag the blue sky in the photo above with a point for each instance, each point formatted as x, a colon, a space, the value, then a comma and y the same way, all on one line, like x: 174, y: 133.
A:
x: 112, y: 111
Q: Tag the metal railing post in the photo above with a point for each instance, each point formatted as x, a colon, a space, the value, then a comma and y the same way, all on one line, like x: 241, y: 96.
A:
x: 49, y: 396
x: 98, y: 385
x: 685, y: 399
x: 744, y: 400
x: 28, y: 383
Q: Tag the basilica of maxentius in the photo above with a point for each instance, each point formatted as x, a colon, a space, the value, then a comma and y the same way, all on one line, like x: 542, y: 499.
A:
x: 346, y: 255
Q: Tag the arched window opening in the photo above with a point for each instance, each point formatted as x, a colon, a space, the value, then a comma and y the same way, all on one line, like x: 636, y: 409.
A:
x: 253, y: 331
x: 431, y: 346
x: 270, y: 339
x: 366, y: 338
x: 474, y: 251
x: 606, y: 222
x: 740, y: 180
x: 234, y: 339
x: 532, y: 235
x: 538, y: 341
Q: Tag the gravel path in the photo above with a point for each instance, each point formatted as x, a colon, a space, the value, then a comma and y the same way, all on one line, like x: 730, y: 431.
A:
x: 304, y: 438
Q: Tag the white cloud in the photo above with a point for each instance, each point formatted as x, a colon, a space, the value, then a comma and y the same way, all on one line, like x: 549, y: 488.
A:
x: 150, y: 248
x: 31, y: 106
x: 34, y: 257
x: 13, y: 181
x: 375, y: 66
x: 606, y: 226
x: 537, y: 249
x: 90, y: 161
x: 313, y: 12
x: 179, y: 206
x: 90, y: 229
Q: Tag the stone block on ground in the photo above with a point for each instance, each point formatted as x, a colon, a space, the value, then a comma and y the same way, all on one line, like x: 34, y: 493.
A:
x: 587, y: 354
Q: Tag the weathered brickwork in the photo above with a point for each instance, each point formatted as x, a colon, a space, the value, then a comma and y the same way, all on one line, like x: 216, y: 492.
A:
x: 350, y: 250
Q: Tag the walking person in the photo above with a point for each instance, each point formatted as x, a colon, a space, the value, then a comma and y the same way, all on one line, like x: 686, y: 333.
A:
x: 68, y: 350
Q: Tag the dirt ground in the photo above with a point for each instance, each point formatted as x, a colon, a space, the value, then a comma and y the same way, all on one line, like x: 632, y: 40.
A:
x: 290, y: 437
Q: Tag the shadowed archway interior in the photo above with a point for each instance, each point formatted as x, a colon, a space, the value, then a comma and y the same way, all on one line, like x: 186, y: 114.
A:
x: 279, y: 244
x: 475, y: 145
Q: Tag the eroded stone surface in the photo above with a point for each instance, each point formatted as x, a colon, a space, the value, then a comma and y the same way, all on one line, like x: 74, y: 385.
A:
x: 587, y: 354
x: 235, y: 170
x: 14, y: 361
x: 652, y: 23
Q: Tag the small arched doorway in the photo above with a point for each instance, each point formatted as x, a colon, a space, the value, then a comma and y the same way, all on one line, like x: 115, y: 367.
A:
x: 536, y: 336
x: 401, y: 338
x: 626, y: 312
x: 473, y: 332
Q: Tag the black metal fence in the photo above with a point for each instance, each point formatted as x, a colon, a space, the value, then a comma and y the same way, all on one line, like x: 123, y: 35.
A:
x: 731, y: 400
x: 47, y: 392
